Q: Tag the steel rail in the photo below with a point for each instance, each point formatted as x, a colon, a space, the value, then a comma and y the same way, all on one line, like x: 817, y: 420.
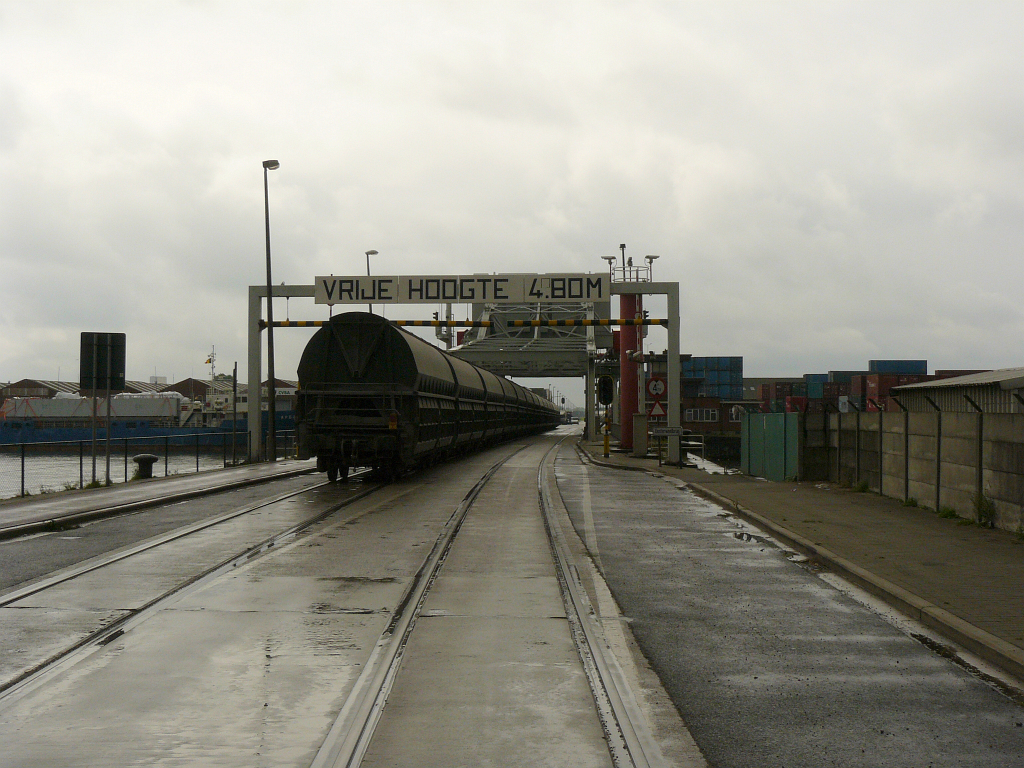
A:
x: 350, y: 736
x: 629, y: 738
x: 32, y: 678
x: 101, y: 561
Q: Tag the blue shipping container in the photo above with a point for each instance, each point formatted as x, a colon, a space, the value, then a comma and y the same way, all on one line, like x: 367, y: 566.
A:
x: 898, y: 366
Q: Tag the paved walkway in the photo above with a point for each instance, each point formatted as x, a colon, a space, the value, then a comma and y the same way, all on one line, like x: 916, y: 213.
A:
x: 31, y: 513
x: 963, y: 581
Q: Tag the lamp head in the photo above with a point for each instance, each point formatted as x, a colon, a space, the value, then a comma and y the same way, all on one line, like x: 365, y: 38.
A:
x: 371, y: 253
x: 271, y: 165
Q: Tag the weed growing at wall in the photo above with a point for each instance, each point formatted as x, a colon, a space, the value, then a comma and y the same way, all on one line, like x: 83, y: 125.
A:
x: 984, y: 511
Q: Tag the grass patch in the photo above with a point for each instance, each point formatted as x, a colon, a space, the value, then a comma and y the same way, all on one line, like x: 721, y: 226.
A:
x: 984, y: 511
x: 861, y: 487
x: 948, y: 513
x: 911, y: 502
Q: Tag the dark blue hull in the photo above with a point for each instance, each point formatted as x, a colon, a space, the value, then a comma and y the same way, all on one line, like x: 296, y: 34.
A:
x: 30, y: 431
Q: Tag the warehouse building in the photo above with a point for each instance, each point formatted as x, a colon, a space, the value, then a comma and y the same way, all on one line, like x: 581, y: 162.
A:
x: 1000, y: 391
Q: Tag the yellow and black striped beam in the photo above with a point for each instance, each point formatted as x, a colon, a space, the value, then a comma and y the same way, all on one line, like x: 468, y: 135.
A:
x: 483, y: 323
x: 422, y: 323
x: 559, y: 323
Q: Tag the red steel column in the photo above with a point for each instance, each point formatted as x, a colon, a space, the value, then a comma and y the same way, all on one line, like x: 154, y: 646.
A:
x: 627, y: 370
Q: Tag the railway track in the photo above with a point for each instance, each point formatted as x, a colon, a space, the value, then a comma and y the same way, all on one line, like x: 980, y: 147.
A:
x: 628, y: 736
x: 340, y: 673
x: 36, y: 674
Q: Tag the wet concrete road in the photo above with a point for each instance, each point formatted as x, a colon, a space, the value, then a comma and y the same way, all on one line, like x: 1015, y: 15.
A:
x: 246, y: 669
x: 491, y: 675
x: 29, y: 557
x: 768, y: 664
x: 251, y: 667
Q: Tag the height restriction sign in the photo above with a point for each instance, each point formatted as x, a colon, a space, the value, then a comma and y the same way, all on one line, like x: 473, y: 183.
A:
x: 656, y: 387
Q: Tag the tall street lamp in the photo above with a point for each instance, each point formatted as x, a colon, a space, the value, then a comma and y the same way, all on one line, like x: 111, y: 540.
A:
x: 270, y: 165
x: 368, y: 255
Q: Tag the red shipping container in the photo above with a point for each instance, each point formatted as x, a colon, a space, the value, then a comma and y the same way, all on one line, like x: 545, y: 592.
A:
x: 796, y: 404
x: 835, y: 389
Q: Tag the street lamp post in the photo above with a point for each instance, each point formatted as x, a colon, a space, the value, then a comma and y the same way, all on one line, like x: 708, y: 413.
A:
x: 270, y: 165
x: 368, y: 255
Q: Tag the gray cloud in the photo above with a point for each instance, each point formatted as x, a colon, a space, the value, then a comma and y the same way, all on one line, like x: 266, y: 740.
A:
x: 829, y: 182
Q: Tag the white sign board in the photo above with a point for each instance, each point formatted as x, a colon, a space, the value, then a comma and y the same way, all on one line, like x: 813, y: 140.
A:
x: 459, y: 289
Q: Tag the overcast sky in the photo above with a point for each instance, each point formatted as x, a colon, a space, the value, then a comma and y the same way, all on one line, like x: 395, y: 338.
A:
x: 829, y: 182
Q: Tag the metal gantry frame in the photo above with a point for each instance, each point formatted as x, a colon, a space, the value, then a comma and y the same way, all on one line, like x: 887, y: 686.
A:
x: 525, y: 340
x: 673, y: 393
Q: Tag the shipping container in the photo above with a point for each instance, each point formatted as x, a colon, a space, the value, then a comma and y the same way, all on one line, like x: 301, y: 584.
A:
x: 878, y: 385
x: 843, y: 377
x: 898, y: 366
x: 796, y: 404
x: 816, y: 378
x: 949, y: 374
x: 780, y: 389
x: 833, y: 389
x: 815, y: 390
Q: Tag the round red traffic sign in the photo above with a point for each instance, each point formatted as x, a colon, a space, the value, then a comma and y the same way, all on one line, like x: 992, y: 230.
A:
x: 656, y: 387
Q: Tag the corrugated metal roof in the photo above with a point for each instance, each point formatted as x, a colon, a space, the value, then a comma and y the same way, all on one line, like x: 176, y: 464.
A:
x: 1005, y: 378
x: 70, y: 387
x: 143, y: 386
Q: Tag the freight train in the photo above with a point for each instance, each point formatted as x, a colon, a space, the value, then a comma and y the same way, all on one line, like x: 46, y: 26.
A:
x: 374, y: 395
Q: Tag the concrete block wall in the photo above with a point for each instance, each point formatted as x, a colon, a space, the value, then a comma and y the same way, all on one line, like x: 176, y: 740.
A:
x: 936, y: 458
x: 1003, y: 473
x: 894, y: 452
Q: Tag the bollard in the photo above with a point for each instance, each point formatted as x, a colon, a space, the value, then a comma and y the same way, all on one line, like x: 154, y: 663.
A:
x: 145, y: 462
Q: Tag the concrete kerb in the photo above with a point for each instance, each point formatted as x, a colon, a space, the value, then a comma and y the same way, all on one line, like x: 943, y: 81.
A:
x: 976, y: 640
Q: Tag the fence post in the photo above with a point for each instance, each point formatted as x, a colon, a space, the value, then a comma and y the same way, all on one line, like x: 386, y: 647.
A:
x: 980, y: 475
x: 906, y: 455
x: 167, y: 454
x: 839, y: 447
x: 938, y: 451
x: 22, y: 469
x: 857, y: 446
x: 197, y: 451
x: 881, y: 443
x: 81, y: 464
x: 126, y: 459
